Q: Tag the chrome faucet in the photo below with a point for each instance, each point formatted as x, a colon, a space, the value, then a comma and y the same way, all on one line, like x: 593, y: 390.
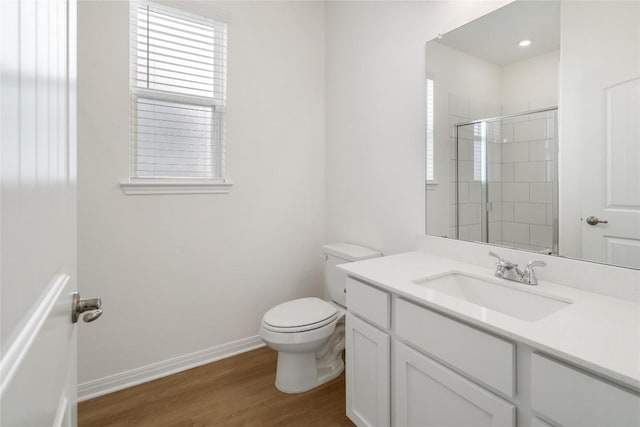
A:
x: 509, y: 271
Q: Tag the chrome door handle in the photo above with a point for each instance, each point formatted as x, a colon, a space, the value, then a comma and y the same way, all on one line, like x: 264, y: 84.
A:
x: 593, y: 220
x: 93, y: 307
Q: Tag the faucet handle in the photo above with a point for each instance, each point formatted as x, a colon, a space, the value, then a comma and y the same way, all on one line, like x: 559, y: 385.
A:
x: 502, y: 262
x: 529, y: 274
x: 536, y: 264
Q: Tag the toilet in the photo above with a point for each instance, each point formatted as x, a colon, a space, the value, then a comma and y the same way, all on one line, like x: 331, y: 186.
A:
x: 308, y: 333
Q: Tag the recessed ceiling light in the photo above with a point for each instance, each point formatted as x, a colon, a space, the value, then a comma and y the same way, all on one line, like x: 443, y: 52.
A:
x: 524, y: 43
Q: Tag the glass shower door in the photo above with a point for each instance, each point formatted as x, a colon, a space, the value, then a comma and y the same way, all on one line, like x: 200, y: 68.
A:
x: 506, y: 181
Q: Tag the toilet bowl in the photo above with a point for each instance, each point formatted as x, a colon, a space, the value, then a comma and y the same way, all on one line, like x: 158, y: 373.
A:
x: 308, y: 333
x: 309, y: 350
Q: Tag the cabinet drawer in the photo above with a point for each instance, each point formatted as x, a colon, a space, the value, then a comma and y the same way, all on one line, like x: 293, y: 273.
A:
x: 570, y: 397
x: 368, y: 302
x: 483, y: 357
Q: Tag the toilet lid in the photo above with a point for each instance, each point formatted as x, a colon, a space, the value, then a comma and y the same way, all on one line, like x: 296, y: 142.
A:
x: 303, y: 312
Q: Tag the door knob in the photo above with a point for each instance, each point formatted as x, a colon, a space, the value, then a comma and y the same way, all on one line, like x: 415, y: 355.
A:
x: 93, y: 307
x: 593, y: 220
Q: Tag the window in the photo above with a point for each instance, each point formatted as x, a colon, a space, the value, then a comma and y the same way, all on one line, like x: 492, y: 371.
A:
x: 178, y: 93
x: 430, y: 125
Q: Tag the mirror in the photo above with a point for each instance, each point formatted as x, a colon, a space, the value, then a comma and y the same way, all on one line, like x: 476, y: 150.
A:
x: 533, y: 130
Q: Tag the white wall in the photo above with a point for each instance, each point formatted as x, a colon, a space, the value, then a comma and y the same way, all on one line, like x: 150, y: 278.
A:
x: 180, y: 274
x: 375, y: 170
x: 531, y: 84
x: 466, y: 88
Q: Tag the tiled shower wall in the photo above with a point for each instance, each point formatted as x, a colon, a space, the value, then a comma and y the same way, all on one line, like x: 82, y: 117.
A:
x: 462, y: 109
x: 529, y: 181
x: 521, y: 176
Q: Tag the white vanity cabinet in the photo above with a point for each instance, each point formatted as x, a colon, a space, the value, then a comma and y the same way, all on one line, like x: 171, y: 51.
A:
x: 368, y: 373
x: 368, y: 358
x: 408, y: 365
x: 570, y: 397
x: 429, y: 394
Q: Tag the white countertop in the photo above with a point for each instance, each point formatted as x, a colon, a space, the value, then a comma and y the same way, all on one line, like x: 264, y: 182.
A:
x: 597, y: 332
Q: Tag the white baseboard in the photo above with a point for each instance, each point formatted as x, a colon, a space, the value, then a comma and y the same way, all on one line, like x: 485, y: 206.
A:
x: 136, y: 376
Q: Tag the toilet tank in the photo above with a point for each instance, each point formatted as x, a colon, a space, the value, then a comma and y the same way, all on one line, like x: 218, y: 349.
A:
x: 341, y: 253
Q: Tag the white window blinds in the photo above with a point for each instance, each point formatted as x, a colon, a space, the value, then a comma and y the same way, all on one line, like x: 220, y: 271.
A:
x: 178, y: 86
x: 430, y: 130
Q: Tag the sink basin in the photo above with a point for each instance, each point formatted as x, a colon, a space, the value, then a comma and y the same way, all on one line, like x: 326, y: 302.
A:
x: 494, y: 294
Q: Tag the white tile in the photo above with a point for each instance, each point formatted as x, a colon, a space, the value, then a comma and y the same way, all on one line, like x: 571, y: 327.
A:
x: 465, y: 171
x: 453, y: 221
x: 463, y: 192
x: 452, y: 128
x: 494, y: 172
x: 452, y: 171
x: 536, y: 116
x: 475, y: 233
x: 550, y: 171
x: 463, y: 232
x: 515, y: 192
x: 531, y: 172
x: 494, y: 190
x: 494, y: 133
x: 465, y: 149
x: 530, y: 213
x: 540, y: 192
x: 507, y: 172
x: 549, y: 209
x: 531, y: 130
x: 551, y: 128
x: 470, y: 233
x: 465, y: 132
x: 452, y: 148
x: 507, y: 133
x: 495, y: 232
x: 515, y: 152
x: 475, y: 192
x: 541, y: 235
x: 532, y: 248
x: 515, y: 232
x: 506, y: 244
x: 495, y: 213
x: 542, y: 150
x: 469, y: 213
x: 507, y: 211
x: 494, y: 153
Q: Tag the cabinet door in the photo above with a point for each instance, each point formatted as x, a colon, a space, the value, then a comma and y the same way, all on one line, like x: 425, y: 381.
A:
x: 572, y: 398
x: 368, y: 357
x: 429, y: 394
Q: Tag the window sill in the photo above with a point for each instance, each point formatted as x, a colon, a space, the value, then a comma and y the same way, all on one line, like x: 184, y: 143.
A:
x: 431, y: 185
x: 136, y: 188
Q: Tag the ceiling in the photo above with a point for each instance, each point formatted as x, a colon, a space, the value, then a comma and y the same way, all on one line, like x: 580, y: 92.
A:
x: 495, y: 37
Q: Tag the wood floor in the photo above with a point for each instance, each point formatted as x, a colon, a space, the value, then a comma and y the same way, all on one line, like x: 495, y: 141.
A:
x: 238, y: 391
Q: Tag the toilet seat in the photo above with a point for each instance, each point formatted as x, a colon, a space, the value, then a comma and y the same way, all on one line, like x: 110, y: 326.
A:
x: 299, y: 315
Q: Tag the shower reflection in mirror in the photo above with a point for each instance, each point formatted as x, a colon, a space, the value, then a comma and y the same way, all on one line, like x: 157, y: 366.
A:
x: 505, y: 180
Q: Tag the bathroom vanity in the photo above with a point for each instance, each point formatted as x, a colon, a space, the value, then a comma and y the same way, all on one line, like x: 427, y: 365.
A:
x: 423, y: 348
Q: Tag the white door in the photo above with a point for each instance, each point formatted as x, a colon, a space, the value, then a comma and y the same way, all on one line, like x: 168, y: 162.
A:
x: 603, y: 43
x: 38, y: 213
x: 427, y: 394
x: 368, y: 373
